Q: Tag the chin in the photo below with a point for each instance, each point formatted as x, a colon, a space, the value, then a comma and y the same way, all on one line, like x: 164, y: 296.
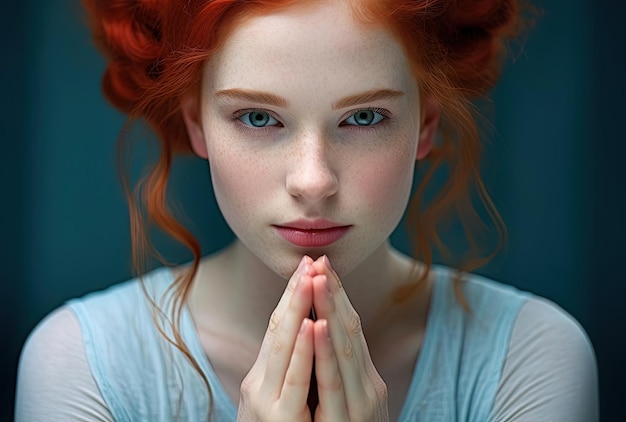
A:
x: 284, y: 268
x: 288, y: 265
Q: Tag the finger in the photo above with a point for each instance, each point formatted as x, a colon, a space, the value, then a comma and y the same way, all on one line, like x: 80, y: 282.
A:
x: 346, y: 311
x: 283, y: 303
x: 348, y: 357
x: 279, y: 341
x: 332, y: 304
x: 369, y: 384
x: 330, y: 387
x: 295, y: 389
x: 304, y: 267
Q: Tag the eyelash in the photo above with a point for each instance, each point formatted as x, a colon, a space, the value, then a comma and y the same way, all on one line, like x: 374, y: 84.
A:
x: 237, y: 115
x: 384, y: 113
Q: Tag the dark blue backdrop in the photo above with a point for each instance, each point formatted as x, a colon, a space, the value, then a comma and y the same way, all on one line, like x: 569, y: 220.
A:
x: 554, y: 166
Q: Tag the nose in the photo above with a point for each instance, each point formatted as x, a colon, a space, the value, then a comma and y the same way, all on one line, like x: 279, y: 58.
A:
x: 312, y: 177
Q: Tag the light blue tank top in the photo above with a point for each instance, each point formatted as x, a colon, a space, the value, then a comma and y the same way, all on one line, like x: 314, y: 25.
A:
x: 144, y: 378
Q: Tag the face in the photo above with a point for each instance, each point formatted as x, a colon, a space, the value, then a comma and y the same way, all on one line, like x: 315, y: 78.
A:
x: 311, y: 125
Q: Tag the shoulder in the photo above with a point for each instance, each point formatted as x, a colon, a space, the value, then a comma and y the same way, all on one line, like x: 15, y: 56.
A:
x: 124, y: 311
x: 525, y: 358
x: 543, y: 321
x: 54, y: 380
x: 464, y: 347
x: 550, y: 370
x: 484, y: 304
x: 151, y: 286
x: 475, y: 288
x: 64, y: 360
x: 480, y: 312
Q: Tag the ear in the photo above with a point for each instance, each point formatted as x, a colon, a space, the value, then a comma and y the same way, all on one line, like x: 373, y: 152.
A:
x: 190, y: 109
x: 430, y: 123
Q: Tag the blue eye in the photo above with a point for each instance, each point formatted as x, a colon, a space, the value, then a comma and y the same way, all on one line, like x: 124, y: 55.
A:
x: 258, y: 119
x: 365, y: 117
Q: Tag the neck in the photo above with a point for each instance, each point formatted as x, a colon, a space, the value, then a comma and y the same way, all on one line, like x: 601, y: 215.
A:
x: 236, y: 286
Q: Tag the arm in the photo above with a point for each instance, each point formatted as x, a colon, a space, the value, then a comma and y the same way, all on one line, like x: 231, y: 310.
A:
x: 54, y: 380
x: 550, y: 372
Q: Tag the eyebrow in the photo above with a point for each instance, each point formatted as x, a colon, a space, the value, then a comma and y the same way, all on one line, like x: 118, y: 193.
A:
x: 253, y: 96
x: 366, y: 97
x: 277, y: 101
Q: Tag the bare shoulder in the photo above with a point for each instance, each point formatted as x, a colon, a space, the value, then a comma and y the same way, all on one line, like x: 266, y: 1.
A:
x: 54, y: 379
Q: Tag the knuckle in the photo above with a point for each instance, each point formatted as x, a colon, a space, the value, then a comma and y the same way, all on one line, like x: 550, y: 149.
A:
x: 348, y: 350
x: 337, y: 286
x: 377, y: 390
x: 382, y: 393
x: 277, y: 346
x: 355, y: 326
x: 292, y: 380
x: 291, y: 285
x: 246, y: 387
x: 274, y: 322
x: 334, y: 384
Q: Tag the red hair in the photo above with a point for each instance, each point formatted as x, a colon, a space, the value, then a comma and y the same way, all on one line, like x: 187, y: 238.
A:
x: 156, y: 50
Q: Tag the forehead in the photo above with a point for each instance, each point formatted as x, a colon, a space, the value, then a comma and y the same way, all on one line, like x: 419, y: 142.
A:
x: 319, y: 42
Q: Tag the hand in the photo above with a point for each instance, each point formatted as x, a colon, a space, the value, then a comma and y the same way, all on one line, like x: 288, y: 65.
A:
x: 349, y: 386
x: 277, y: 385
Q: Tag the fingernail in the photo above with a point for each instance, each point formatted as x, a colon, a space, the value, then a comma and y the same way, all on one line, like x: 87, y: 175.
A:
x: 327, y: 263
x: 303, y: 325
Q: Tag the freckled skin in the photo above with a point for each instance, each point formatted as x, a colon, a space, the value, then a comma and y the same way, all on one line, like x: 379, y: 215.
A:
x: 312, y: 165
x: 277, y: 119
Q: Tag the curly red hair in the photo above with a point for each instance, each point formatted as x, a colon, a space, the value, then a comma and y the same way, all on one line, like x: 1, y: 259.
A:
x: 156, y: 50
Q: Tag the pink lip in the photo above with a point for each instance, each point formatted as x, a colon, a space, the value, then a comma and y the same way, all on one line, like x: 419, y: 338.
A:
x: 311, y: 233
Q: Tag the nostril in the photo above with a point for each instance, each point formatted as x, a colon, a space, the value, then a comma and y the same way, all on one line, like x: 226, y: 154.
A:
x: 312, y: 181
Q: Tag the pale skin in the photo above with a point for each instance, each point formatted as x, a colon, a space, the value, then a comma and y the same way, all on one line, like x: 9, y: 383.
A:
x: 310, y: 159
x: 350, y: 388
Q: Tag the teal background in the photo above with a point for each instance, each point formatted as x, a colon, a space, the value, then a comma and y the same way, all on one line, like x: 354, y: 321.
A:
x: 554, y: 165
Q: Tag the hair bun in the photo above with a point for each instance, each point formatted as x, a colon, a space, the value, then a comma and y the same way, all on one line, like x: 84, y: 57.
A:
x: 474, y: 31
x: 129, y: 32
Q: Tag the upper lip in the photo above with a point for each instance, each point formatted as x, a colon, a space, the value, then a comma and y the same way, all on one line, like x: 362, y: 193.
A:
x: 304, y: 224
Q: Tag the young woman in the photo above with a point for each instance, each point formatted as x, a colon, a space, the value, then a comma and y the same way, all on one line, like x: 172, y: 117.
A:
x: 311, y: 115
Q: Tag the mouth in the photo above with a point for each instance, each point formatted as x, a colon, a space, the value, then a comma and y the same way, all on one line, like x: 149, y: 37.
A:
x: 312, y: 233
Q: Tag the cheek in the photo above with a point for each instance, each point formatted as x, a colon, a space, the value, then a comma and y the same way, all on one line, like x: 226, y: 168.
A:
x: 238, y: 181
x: 228, y: 168
x: 246, y: 183
x: 387, y: 191
x: 386, y: 180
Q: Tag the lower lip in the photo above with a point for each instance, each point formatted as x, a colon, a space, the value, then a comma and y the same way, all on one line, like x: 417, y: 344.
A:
x: 312, y: 238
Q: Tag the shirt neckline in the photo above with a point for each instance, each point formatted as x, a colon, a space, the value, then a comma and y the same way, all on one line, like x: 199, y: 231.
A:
x: 426, y: 351
x: 423, y: 362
